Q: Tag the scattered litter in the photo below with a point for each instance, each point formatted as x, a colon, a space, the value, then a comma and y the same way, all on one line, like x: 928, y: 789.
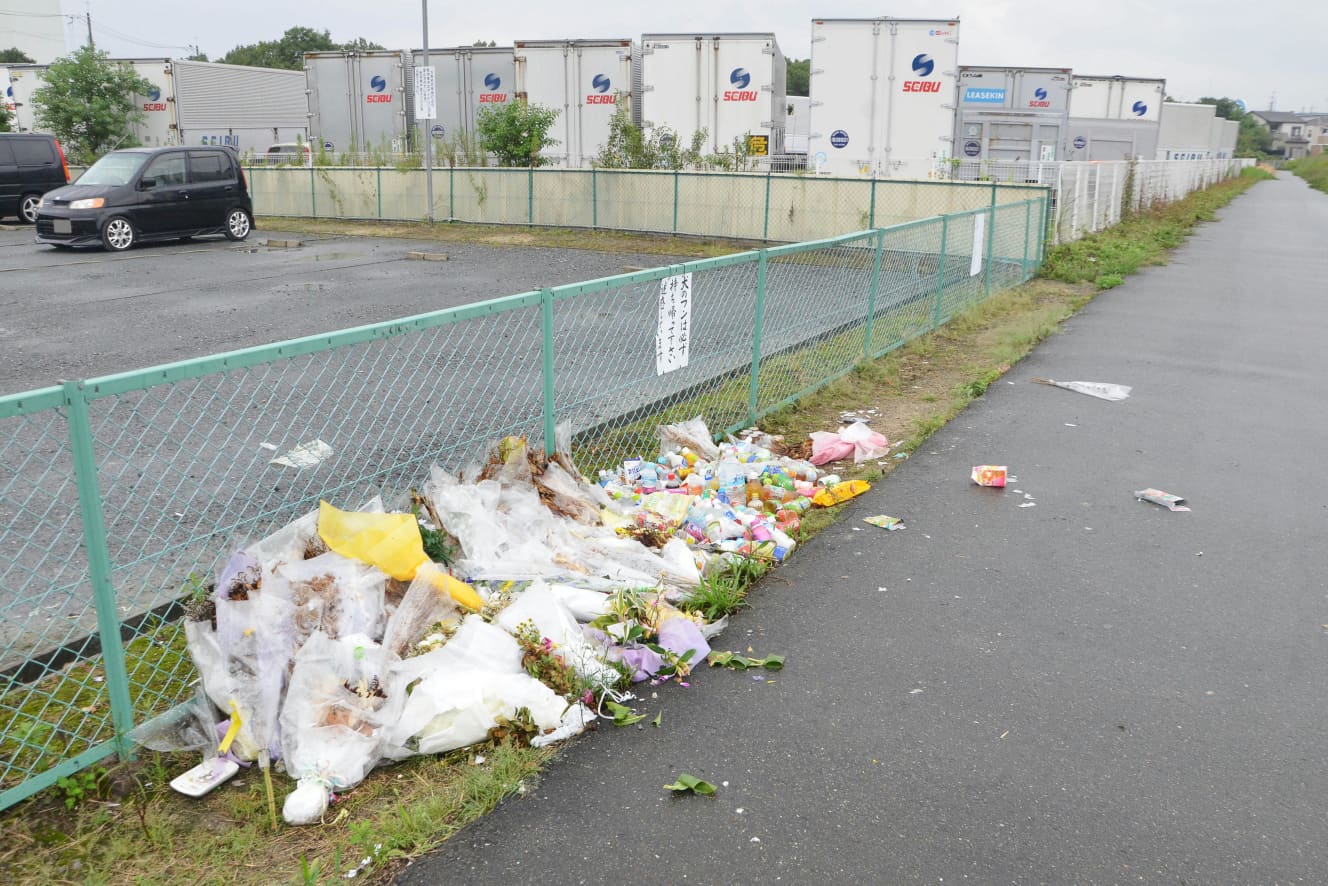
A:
x: 1028, y: 504
x: 306, y: 455
x: 1027, y: 495
x: 205, y: 776
x: 1068, y: 425
x: 989, y: 475
x: 1165, y: 499
x: 887, y: 523
x: 271, y: 447
x: 743, y: 662
x: 840, y: 493
x: 915, y: 692
x: 685, y: 783
x: 1101, y: 390
x: 1005, y: 733
x: 900, y: 455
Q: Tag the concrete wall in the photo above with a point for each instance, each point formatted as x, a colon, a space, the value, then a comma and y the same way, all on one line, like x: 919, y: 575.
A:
x: 778, y: 207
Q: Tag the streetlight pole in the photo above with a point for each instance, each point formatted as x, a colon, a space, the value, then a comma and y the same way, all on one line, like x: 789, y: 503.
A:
x: 428, y: 132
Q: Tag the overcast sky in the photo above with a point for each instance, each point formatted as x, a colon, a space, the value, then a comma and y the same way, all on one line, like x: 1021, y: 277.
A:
x: 1216, y: 47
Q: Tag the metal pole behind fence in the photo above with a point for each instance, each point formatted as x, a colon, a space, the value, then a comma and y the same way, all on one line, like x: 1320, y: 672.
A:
x: 940, y: 272
x: 428, y: 133
x: 753, y: 388
x: 546, y: 341
x: 875, y: 289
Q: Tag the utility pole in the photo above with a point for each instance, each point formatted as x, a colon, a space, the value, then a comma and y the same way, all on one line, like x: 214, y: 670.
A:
x: 428, y: 132
x: 88, y: 16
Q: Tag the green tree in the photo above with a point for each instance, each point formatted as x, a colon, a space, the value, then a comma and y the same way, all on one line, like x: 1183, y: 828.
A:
x: 1253, y: 139
x: 4, y: 118
x: 650, y: 147
x: 483, y: 43
x: 516, y: 133
x: 15, y: 56
x: 88, y: 102
x: 287, y: 52
x: 359, y: 44
x: 798, y: 76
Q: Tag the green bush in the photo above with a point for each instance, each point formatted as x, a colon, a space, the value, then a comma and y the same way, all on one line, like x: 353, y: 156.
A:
x: 1313, y: 169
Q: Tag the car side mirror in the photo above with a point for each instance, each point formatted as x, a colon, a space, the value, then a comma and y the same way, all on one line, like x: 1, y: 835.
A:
x: 147, y: 184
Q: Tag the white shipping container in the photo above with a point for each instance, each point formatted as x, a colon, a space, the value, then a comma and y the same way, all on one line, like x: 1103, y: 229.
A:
x: 24, y: 80
x: 469, y: 79
x: 1117, y: 98
x: 1185, y: 132
x: 584, y: 81
x: 6, y: 92
x: 1014, y: 114
x: 1224, y: 138
x: 730, y: 85
x: 360, y: 101
x: 882, y: 96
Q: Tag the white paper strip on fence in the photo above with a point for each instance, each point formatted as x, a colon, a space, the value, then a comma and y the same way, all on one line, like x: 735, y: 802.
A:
x: 979, y: 241
x: 673, y: 338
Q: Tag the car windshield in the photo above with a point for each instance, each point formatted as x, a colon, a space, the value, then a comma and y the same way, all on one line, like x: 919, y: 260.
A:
x: 113, y: 169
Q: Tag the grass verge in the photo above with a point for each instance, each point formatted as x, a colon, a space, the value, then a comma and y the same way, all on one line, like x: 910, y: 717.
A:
x: 1313, y: 169
x: 122, y: 824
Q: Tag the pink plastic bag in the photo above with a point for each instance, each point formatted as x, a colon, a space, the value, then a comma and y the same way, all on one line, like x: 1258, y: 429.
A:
x: 856, y: 440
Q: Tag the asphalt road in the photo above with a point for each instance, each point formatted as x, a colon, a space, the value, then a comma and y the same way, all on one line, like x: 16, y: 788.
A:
x: 1050, y: 683
x: 82, y: 313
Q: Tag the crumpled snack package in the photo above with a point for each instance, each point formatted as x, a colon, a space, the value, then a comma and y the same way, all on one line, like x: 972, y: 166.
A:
x: 339, y: 706
x: 692, y: 434
x: 839, y: 493
x: 856, y: 439
x: 990, y: 475
x: 391, y: 542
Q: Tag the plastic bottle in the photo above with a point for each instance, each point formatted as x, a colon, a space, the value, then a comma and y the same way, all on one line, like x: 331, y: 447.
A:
x: 798, y: 505
x: 695, y: 485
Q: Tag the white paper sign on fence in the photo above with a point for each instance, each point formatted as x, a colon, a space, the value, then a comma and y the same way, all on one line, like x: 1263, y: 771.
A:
x: 426, y: 93
x: 979, y: 244
x: 674, y: 334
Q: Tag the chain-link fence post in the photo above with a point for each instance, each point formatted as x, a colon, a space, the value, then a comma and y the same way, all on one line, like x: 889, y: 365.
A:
x: 675, y: 201
x: 765, y: 232
x: 451, y: 192
x: 753, y: 389
x: 988, y: 246
x: 99, y: 565
x: 1028, y: 225
x: 940, y: 273
x: 875, y: 287
x: 594, y: 198
x: 871, y: 210
x: 313, y: 193
x: 530, y: 200
x: 379, y: 170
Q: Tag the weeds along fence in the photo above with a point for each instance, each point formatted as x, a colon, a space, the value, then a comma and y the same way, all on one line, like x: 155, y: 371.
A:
x: 123, y: 494
x: 770, y: 207
x: 1091, y: 196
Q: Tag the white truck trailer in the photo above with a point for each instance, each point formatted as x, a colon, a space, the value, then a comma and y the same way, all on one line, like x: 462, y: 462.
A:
x: 1012, y: 114
x: 196, y: 103
x: 360, y: 101
x: 468, y: 80
x: 584, y: 81
x: 730, y: 85
x: 882, y: 96
x: 1115, y: 117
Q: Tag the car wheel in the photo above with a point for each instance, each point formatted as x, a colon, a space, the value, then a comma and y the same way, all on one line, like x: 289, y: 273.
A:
x: 238, y: 224
x: 27, y: 208
x: 118, y: 234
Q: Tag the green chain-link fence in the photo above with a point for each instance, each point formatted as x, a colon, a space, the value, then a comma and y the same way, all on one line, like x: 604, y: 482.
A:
x: 783, y: 208
x: 122, y: 495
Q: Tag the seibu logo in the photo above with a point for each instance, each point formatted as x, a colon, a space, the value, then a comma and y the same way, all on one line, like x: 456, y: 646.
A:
x: 741, y: 79
x: 923, y: 66
x: 492, y: 82
x: 1039, y: 99
x: 154, y: 102
x: 378, y: 96
x: 601, y: 94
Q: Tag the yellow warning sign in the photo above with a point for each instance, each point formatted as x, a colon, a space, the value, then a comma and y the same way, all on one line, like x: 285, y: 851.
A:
x: 758, y: 145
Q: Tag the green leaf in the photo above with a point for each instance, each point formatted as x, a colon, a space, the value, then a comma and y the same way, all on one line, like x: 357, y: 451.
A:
x: 684, y: 783
x: 623, y: 715
x: 774, y: 663
x: 659, y: 718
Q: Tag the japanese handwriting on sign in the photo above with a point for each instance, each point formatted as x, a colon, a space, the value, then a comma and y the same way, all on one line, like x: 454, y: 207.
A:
x: 673, y: 330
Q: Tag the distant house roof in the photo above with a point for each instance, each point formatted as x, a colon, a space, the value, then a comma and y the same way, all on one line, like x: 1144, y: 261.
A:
x: 1277, y: 116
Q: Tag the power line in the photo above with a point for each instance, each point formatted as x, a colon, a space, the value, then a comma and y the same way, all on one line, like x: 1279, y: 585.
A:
x: 120, y: 35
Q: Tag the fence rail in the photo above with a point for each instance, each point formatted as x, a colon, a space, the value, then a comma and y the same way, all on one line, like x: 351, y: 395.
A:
x: 120, y: 493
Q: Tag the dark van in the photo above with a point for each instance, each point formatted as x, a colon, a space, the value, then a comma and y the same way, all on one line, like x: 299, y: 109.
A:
x: 30, y: 165
x: 141, y: 194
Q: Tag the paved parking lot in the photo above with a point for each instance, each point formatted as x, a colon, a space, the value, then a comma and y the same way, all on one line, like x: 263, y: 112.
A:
x: 76, y: 314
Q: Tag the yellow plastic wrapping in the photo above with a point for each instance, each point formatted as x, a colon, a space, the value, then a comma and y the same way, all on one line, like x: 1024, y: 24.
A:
x: 461, y: 593
x: 840, y: 493
x: 389, y: 541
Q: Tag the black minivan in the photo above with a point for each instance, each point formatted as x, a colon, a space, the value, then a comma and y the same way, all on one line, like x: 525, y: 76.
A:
x: 30, y: 165
x: 141, y: 194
